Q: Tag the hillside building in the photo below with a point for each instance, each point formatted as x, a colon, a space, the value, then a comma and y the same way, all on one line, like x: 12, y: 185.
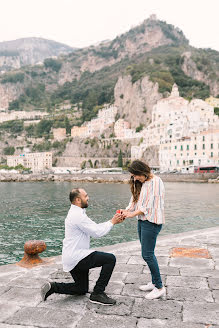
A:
x: 59, y: 134
x: 180, y: 129
x: 37, y: 162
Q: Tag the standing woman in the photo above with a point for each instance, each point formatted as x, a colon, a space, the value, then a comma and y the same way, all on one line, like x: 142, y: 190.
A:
x: 147, y: 203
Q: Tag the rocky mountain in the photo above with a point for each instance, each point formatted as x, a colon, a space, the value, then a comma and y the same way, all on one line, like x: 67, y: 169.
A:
x: 133, y: 71
x: 29, y: 51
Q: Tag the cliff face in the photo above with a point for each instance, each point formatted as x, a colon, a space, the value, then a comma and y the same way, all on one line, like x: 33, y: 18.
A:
x: 150, y: 49
x: 9, y: 92
x: 29, y: 51
x: 135, y: 101
x: 190, y: 68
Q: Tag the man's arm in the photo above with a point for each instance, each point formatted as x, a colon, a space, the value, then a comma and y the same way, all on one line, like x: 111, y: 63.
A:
x: 98, y: 230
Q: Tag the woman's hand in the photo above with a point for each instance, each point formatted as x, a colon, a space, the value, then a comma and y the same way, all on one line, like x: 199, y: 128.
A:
x: 128, y: 214
x: 131, y: 214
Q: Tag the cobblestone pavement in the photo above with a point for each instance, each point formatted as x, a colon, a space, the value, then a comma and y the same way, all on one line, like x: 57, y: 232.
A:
x: 192, y: 299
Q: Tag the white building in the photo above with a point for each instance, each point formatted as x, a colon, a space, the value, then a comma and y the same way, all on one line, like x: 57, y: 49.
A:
x: 21, y: 115
x: 37, y: 162
x: 178, y: 123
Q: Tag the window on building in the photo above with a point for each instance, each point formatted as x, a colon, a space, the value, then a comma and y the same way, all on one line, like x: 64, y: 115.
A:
x: 203, y: 146
x: 177, y: 162
x: 195, y: 147
x: 187, y: 147
x: 212, y: 146
x: 195, y: 153
x: 175, y: 147
x: 203, y: 138
x: 184, y: 162
x: 203, y: 153
x: 181, y: 147
x: 212, y: 154
x: 191, y: 161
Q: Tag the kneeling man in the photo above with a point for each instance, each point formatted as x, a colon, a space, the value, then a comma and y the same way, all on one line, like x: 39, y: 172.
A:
x: 78, y: 258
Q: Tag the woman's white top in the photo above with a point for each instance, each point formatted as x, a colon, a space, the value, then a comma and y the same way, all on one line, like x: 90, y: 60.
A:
x: 151, y: 201
x: 78, y: 229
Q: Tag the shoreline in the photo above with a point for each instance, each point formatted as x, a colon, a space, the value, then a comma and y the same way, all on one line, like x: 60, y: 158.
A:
x: 106, y: 178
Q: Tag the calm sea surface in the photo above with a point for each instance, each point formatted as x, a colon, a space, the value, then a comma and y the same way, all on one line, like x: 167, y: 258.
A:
x: 38, y: 210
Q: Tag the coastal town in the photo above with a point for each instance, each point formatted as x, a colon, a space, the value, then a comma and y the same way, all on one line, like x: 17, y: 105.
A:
x: 185, y: 135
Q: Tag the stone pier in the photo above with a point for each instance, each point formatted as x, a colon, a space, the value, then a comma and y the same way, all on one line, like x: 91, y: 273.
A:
x: 189, y: 264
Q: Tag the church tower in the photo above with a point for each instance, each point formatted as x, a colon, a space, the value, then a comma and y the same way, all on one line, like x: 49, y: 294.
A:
x: 175, y: 91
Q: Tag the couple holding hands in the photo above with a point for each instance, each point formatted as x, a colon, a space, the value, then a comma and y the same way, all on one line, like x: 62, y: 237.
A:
x: 146, y: 203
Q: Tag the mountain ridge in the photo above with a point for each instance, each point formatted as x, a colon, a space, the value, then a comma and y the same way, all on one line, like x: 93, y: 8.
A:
x: 88, y: 75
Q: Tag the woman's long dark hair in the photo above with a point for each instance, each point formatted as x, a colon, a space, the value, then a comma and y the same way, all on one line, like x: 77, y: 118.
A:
x: 138, y: 168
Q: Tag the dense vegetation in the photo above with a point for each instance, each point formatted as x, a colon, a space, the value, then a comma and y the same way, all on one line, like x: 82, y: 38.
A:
x: 90, y: 91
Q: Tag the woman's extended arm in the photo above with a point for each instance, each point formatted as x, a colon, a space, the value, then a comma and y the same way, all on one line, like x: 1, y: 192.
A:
x: 129, y: 214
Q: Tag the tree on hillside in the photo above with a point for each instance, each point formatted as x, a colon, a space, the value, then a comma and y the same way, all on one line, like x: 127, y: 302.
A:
x: 120, y: 159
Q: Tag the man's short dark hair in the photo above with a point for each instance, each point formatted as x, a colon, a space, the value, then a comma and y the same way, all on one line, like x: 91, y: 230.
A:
x: 74, y: 194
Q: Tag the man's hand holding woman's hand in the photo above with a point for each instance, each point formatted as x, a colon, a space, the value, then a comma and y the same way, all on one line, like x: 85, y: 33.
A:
x: 118, y: 218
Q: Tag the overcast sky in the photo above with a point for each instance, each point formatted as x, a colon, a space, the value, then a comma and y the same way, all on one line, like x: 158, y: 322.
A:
x: 80, y: 23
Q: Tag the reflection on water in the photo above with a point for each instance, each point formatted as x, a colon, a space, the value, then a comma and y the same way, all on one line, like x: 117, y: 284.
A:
x: 38, y: 210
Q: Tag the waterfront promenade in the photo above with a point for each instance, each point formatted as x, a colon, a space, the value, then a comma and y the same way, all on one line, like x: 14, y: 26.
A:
x: 189, y: 264
x: 105, y: 178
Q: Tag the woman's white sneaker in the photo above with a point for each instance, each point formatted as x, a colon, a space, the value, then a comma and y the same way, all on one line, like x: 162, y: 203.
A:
x: 156, y: 293
x: 147, y: 287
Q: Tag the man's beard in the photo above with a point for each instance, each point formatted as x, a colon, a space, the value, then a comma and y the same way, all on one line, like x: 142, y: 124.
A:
x: 84, y: 204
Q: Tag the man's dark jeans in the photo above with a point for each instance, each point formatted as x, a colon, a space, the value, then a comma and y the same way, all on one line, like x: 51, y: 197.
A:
x: 80, y: 274
x: 148, y: 233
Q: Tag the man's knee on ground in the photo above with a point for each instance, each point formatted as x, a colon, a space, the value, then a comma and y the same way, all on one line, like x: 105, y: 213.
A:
x: 111, y: 258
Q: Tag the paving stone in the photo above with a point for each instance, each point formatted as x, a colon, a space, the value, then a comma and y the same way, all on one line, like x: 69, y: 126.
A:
x: 128, y: 268
x: 122, y: 258
x: 216, y: 295
x: 74, y: 303
x: 114, y: 288
x: 93, y: 320
x: 22, y: 296
x: 187, y: 282
x: 7, y: 310
x: 162, y: 260
x: 44, y: 317
x: 137, y: 259
x: 213, y: 283
x: 162, y: 251
x: 137, y: 278
x: 8, y: 279
x: 4, y: 325
x: 214, y: 251
x: 189, y: 294
x: 28, y: 282
x: 132, y: 290
x: 206, y: 313
x: 60, y: 274
x: 123, y: 306
x: 4, y: 289
x: 157, y: 323
x: 170, y: 271
x: 199, y: 272
x: 11, y: 268
x: 165, y: 270
x: 191, y: 262
x: 157, y: 309
x: 116, y: 276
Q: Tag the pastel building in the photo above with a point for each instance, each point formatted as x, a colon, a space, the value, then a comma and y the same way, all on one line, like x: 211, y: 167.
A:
x: 37, y: 162
x: 59, y: 133
x: 120, y: 128
x: 177, y: 127
x: 79, y: 131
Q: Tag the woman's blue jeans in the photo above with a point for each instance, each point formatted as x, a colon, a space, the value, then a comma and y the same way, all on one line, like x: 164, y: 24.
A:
x: 148, y: 233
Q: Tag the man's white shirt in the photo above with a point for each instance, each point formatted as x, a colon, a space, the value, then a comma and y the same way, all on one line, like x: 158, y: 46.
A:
x: 78, y: 230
